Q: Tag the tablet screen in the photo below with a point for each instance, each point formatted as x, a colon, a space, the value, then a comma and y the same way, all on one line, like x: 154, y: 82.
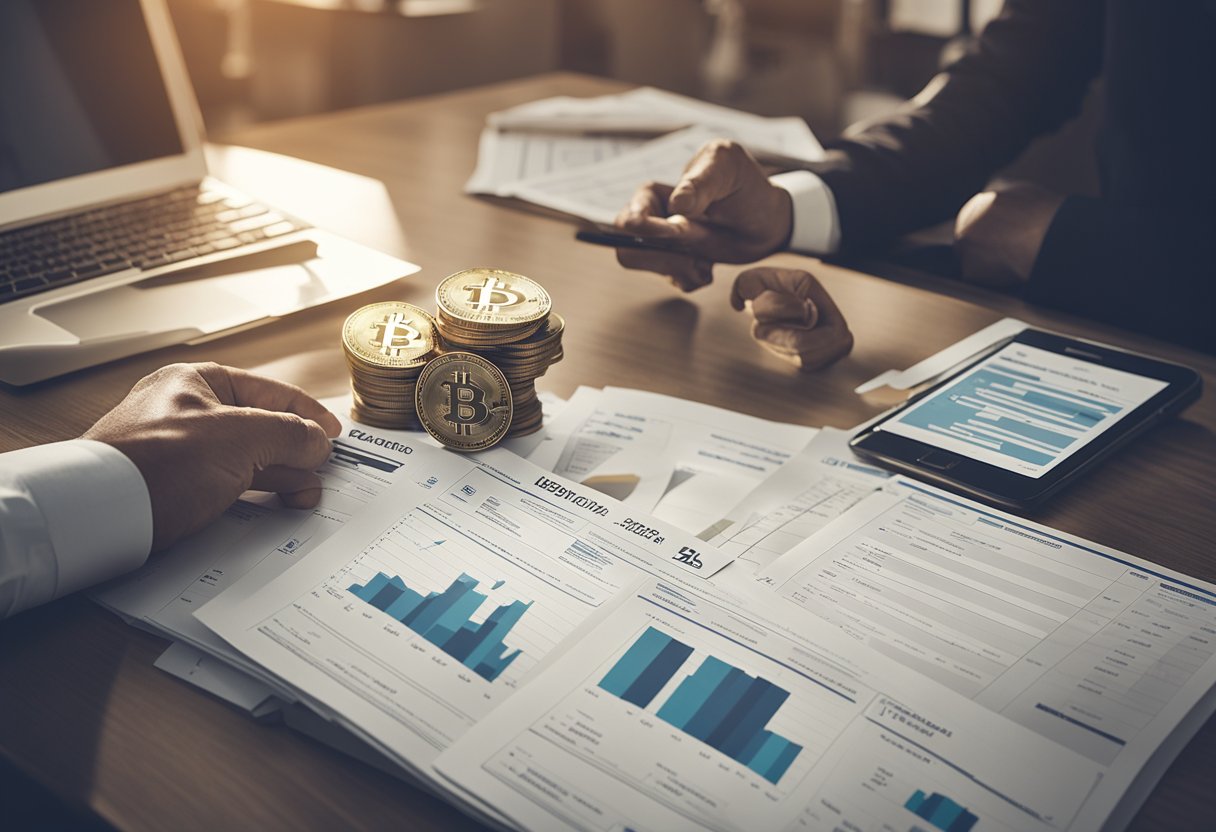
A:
x: 1024, y: 409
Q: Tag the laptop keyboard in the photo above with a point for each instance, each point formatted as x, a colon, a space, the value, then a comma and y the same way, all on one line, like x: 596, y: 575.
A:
x: 143, y: 234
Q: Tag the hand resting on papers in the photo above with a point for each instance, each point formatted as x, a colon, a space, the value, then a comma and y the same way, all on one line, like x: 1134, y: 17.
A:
x: 201, y: 434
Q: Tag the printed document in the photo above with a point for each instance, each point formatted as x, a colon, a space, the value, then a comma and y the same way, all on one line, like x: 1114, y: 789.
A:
x: 684, y: 462
x: 1095, y: 649
x: 562, y: 134
x: 504, y: 158
x: 218, y: 678
x: 598, y: 192
x: 440, y: 599
x: 798, y: 499
x: 252, y: 543
x: 647, y: 110
x: 685, y: 709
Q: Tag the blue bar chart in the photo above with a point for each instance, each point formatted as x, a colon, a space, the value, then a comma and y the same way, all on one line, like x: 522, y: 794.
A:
x: 941, y: 811
x: 718, y: 704
x: 1012, y: 413
x: 648, y: 665
x: 445, y: 619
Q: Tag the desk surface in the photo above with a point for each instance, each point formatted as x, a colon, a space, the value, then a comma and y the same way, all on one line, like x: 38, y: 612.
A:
x: 83, y: 710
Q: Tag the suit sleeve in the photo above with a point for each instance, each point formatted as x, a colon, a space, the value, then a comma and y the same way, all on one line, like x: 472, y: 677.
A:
x: 1143, y: 255
x: 1024, y: 76
x: 1148, y: 270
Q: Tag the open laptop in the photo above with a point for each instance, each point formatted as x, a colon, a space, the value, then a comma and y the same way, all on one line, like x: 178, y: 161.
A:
x: 113, y: 238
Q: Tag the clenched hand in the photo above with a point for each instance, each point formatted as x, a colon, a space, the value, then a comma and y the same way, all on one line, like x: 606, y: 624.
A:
x: 795, y: 317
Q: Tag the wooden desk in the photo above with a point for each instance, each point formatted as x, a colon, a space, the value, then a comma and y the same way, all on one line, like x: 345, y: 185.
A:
x: 83, y: 710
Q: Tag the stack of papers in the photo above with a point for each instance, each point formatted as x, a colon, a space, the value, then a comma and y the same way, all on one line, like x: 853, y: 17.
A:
x: 1102, y: 652
x: 684, y: 462
x: 586, y: 156
x: 722, y: 622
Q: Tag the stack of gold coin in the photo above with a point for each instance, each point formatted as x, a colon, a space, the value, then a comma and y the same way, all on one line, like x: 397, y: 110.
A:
x: 386, y: 346
x: 505, y: 318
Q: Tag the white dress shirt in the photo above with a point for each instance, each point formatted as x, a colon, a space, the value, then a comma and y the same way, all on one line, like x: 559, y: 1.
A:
x: 816, y: 222
x: 72, y: 514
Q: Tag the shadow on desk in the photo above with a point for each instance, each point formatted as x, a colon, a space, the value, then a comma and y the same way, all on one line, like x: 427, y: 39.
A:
x: 23, y: 803
x: 26, y: 805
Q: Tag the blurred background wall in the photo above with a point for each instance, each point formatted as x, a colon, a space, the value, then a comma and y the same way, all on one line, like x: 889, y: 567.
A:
x: 833, y: 62
x: 253, y: 60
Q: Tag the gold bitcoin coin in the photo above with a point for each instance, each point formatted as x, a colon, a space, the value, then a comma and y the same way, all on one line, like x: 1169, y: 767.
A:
x: 482, y: 311
x: 389, y: 335
x: 464, y: 401
x: 479, y: 299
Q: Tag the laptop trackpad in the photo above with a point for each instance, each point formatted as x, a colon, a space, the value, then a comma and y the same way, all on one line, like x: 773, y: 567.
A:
x: 203, y: 298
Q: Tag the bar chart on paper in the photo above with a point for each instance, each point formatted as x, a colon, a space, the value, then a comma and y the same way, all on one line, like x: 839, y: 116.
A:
x: 724, y: 733
x: 941, y: 811
x: 428, y: 580
x: 718, y: 704
x: 445, y: 619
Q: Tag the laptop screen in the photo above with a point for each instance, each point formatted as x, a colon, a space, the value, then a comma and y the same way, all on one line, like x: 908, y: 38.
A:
x: 80, y: 91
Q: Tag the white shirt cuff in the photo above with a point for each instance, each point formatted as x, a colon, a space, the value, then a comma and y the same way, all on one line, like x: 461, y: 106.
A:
x: 816, y: 223
x: 95, y: 505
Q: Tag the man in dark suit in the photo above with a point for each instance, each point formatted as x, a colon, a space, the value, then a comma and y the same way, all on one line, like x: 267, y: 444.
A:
x: 1141, y: 255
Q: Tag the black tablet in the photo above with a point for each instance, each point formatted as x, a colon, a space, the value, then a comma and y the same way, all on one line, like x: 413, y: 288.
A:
x: 1028, y: 418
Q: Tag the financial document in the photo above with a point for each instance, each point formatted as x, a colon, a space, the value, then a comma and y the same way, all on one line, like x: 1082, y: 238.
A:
x: 218, y: 678
x: 819, y: 484
x: 252, y: 543
x: 599, y: 191
x: 644, y: 110
x: 685, y: 462
x: 680, y: 709
x: 442, y: 597
x: 562, y: 134
x: 504, y: 158
x: 1095, y: 649
x: 647, y: 110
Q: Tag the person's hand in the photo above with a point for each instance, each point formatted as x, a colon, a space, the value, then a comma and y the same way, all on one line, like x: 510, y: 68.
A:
x: 795, y: 317
x: 998, y: 233
x: 200, y: 434
x: 722, y: 210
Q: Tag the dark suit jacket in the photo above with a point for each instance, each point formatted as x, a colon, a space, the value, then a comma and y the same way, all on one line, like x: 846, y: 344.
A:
x: 1143, y: 254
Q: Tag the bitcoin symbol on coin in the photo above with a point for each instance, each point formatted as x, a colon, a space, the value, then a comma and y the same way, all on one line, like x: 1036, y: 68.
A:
x: 394, y: 335
x: 386, y: 346
x: 485, y: 296
x: 466, y: 403
x: 491, y: 306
